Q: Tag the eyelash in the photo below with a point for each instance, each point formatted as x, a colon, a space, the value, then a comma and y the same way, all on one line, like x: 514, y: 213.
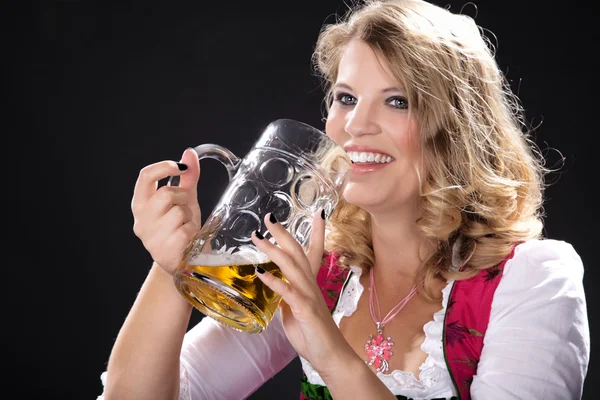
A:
x: 340, y: 96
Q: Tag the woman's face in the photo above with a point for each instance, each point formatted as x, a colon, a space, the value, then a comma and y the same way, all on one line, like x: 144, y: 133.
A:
x: 369, y: 118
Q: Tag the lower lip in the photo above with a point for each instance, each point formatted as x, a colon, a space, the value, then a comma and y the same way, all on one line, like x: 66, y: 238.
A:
x: 367, y: 167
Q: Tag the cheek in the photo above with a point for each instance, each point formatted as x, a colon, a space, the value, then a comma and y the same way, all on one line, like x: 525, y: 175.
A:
x: 410, y: 141
x: 334, y: 126
x: 409, y: 146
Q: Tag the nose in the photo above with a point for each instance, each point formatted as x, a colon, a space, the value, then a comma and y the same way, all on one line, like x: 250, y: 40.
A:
x: 362, y: 120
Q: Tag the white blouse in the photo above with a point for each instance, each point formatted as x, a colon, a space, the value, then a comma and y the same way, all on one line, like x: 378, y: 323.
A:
x: 537, y: 344
x: 434, y: 381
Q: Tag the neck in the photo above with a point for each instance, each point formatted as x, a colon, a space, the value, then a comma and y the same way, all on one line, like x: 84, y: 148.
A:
x: 399, y: 248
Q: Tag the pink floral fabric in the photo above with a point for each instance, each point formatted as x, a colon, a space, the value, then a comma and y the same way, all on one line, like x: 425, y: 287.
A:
x: 331, y: 278
x: 467, y: 318
x: 465, y: 324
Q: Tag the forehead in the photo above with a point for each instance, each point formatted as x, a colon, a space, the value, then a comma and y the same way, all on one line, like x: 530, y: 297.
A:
x: 361, y: 66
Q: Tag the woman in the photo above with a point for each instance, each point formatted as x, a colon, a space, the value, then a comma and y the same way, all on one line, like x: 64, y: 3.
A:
x: 443, y: 285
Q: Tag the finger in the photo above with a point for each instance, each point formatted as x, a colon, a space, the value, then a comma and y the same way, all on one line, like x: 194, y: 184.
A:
x: 285, y: 240
x: 189, y: 180
x: 316, y: 245
x: 167, y: 197
x: 174, y: 235
x: 184, y: 234
x: 177, y: 241
x: 164, y: 226
x: 177, y: 216
x: 148, y: 178
x: 292, y: 272
x: 150, y: 217
x: 291, y: 297
x: 169, y: 242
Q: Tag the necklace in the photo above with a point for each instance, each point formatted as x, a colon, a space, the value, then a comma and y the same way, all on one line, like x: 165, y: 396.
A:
x: 379, y: 348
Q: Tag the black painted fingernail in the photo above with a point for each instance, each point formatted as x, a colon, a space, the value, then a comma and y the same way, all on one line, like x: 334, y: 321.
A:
x: 259, y: 235
x: 272, y: 218
x: 260, y: 270
x: 323, y: 214
x: 181, y: 166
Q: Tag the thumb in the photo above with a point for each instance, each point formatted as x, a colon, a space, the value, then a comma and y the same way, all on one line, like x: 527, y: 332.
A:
x: 191, y: 176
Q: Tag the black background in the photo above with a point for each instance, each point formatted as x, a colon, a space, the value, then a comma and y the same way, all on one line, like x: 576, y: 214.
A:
x: 96, y: 90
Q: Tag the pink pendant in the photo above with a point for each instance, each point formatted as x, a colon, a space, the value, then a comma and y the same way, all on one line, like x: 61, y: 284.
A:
x: 379, y: 351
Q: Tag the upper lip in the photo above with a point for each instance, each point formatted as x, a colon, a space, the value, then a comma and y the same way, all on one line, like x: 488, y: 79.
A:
x: 365, y: 149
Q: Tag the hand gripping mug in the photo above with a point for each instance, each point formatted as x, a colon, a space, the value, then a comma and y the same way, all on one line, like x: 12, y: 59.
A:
x: 293, y: 170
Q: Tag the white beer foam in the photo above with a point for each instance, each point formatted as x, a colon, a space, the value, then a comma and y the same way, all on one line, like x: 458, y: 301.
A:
x: 242, y: 257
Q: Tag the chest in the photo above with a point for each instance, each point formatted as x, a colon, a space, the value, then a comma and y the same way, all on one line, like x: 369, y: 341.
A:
x: 405, y: 331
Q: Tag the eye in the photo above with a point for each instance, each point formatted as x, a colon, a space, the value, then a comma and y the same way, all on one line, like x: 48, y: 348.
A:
x: 345, y: 99
x: 398, y: 102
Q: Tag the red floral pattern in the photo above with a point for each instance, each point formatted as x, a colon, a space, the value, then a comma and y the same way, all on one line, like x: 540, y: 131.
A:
x: 467, y: 318
x: 331, y: 278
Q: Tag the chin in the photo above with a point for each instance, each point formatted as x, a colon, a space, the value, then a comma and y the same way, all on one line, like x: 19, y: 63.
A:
x: 378, y: 200
x: 365, y: 199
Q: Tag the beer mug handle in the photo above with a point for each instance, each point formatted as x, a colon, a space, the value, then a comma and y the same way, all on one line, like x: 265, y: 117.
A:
x: 216, y: 152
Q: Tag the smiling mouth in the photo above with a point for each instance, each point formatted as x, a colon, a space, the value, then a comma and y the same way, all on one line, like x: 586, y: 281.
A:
x: 363, y: 157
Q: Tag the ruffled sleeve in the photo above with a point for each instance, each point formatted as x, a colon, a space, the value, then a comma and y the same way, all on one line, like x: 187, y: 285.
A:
x: 537, y: 344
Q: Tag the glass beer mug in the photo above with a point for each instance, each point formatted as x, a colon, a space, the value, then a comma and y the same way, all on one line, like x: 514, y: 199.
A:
x: 294, y: 171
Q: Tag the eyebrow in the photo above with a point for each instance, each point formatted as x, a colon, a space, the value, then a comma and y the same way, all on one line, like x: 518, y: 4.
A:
x: 342, y: 85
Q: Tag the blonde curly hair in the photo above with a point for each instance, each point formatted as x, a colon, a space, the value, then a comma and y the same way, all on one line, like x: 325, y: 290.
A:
x: 484, y: 186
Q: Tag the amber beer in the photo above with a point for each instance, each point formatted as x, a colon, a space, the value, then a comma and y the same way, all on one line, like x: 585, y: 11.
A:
x: 225, y: 287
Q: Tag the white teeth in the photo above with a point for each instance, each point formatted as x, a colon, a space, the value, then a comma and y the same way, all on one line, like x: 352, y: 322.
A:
x: 364, y: 157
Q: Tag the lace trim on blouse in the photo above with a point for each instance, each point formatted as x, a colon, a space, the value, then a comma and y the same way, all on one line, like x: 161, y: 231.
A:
x: 434, y: 379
